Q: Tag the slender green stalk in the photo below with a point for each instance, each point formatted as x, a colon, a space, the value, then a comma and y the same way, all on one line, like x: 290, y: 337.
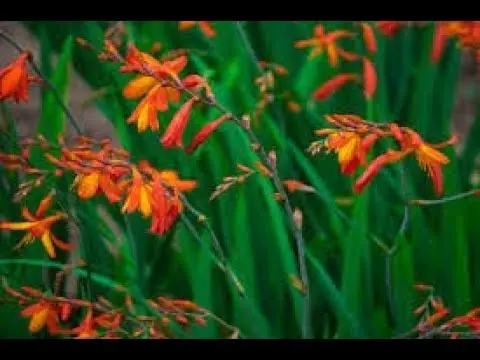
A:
x: 445, y: 199
x: 300, y: 243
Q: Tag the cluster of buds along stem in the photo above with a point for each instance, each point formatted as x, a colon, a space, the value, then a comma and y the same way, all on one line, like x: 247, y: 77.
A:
x: 433, y: 319
x: 100, y: 319
x: 266, y: 86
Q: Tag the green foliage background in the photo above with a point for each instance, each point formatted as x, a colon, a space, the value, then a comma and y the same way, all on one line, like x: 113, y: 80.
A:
x: 356, y: 289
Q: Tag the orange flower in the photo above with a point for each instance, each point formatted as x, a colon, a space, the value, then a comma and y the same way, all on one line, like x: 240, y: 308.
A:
x: 110, y: 322
x: 39, y: 227
x: 205, y: 132
x: 43, y: 313
x: 157, y: 99
x: 139, y: 196
x: 174, y: 132
x: 326, y: 41
x: 332, y: 85
x: 375, y: 166
x: 140, y: 85
x: 167, y: 205
x: 14, y: 79
x: 388, y: 28
x: 95, y: 182
x: 86, y: 329
x: 205, y: 27
x: 64, y: 310
x: 369, y: 37
x: 196, y: 82
x: 429, y: 159
x: 369, y: 78
x: 351, y: 149
x: 158, y: 95
x: 171, y: 179
x: 440, y: 38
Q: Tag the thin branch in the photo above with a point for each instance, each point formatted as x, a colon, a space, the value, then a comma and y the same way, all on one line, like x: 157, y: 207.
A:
x: 216, y: 244
x: 406, y: 207
x: 444, y: 200
x: 297, y: 233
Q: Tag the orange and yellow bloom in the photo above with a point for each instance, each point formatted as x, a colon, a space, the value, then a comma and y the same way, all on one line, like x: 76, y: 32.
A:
x: 157, y: 95
x: 41, y: 314
x: 205, y: 27
x: 174, y: 132
x: 355, y: 137
x: 97, y: 182
x: 205, y: 132
x: 139, y: 195
x: 334, y: 84
x: 14, y: 79
x: 39, y: 227
x: 86, y: 329
x: 327, y: 41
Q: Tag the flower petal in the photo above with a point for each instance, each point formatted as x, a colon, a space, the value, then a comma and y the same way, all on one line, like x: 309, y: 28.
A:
x: 47, y: 244
x: 138, y: 87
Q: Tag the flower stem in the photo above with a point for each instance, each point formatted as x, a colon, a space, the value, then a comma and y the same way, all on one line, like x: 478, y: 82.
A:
x: 445, y: 199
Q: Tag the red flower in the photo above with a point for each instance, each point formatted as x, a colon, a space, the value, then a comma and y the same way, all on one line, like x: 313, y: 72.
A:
x: 369, y: 37
x: 14, y: 79
x: 369, y: 78
x: 205, y: 132
x: 173, y: 135
x: 332, y: 85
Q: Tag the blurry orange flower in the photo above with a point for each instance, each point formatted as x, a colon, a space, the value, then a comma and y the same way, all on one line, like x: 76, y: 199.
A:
x: 165, y: 208
x: 205, y: 27
x: 166, y: 204
x: 174, y: 132
x: 139, y: 86
x: 86, y: 329
x: 369, y: 78
x: 333, y: 84
x: 171, y: 179
x: 351, y: 149
x: 95, y: 182
x: 390, y: 156
x: 369, y: 37
x: 388, y: 28
x: 440, y: 37
x: 145, y: 114
x: 14, y: 79
x: 139, y: 196
x: 467, y: 33
x: 197, y: 82
x: 107, y: 321
x: 205, y: 132
x: 158, y: 94
x: 326, y: 41
x: 42, y: 313
x: 38, y: 227
x: 429, y: 159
